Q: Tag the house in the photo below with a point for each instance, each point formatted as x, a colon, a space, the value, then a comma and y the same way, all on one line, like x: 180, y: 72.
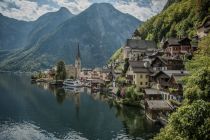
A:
x: 136, y: 48
x: 96, y: 73
x: 204, y: 28
x: 156, y: 108
x: 138, y: 73
x: 107, y: 75
x: 167, y: 63
x: 176, y: 86
x: 85, y: 74
x: 169, y: 84
x: 152, y: 94
x: 160, y: 79
x: 176, y: 47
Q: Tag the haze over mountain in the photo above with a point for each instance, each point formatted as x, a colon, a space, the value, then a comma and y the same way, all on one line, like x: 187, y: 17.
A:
x: 16, y: 34
x: 29, y: 10
x: 100, y: 30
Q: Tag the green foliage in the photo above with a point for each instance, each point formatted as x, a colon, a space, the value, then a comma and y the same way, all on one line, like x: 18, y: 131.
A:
x: 121, y: 80
x: 132, y: 94
x: 126, y: 65
x: 189, y: 122
x: 118, y: 55
x: 202, y: 8
x: 61, y: 71
x: 197, y: 83
x: 178, y: 19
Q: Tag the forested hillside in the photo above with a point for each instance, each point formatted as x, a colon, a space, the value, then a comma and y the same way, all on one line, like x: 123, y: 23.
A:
x: 178, y: 19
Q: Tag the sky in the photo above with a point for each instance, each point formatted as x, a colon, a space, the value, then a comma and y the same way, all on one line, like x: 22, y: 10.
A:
x: 29, y: 10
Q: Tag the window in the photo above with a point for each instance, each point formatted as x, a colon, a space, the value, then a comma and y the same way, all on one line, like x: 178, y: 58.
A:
x: 140, y: 83
x: 146, y: 83
x: 140, y: 76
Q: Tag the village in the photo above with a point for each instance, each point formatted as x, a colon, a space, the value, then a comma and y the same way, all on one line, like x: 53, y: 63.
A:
x: 142, y: 74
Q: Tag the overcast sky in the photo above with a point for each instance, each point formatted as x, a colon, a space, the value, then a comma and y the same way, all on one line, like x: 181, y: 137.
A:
x: 32, y: 9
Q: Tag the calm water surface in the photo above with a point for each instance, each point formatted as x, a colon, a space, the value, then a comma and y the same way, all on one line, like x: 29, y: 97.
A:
x: 30, y: 112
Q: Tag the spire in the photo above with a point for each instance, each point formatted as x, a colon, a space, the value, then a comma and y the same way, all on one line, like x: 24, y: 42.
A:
x: 78, y: 52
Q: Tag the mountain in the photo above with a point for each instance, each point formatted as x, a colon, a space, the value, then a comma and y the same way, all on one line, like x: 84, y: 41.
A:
x: 178, y: 19
x: 46, y: 24
x: 15, y: 34
x: 100, y: 30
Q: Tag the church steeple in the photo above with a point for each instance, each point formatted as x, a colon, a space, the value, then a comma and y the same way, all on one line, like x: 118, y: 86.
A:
x: 78, y: 62
x: 78, y: 52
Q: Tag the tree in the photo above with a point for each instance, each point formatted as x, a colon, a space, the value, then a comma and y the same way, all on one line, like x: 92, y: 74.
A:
x: 61, y: 71
x: 126, y: 65
x: 197, y: 83
x: 189, y: 122
x: 202, y: 7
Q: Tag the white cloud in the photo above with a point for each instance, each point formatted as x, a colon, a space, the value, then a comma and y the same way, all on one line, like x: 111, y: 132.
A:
x: 24, y: 9
x: 32, y: 9
x: 75, y: 6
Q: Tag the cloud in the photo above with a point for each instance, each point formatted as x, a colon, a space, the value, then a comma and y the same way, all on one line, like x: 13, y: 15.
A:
x: 32, y: 9
x: 24, y: 9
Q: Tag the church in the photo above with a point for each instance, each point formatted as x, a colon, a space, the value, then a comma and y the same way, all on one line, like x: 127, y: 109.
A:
x: 73, y: 71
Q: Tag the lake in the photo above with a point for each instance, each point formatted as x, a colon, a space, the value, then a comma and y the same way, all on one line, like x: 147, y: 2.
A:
x: 29, y: 111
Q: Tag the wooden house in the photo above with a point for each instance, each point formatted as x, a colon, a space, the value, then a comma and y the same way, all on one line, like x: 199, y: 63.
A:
x: 167, y: 63
x: 176, y: 47
x: 156, y: 108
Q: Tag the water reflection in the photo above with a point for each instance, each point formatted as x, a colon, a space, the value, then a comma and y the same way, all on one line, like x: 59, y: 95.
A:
x: 133, y: 119
x: 46, y: 112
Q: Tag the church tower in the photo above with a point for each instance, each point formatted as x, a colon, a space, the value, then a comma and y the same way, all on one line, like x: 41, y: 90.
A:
x: 78, y: 62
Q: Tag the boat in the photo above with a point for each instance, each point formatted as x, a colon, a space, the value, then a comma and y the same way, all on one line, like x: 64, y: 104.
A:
x: 71, y: 83
x: 71, y: 89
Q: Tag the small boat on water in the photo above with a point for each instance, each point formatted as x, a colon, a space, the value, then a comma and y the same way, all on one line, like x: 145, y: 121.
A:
x: 71, y: 83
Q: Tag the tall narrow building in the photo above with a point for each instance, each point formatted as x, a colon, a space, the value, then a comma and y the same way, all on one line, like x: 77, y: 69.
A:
x: 78, y: 62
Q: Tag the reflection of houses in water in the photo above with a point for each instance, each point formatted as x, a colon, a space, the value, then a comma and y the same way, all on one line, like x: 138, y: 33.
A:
x: 134, y: 121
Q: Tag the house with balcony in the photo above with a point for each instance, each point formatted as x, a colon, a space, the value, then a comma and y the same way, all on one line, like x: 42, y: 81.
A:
x: 169, y: 84
x: 174, y: 47
x: 167, y: 63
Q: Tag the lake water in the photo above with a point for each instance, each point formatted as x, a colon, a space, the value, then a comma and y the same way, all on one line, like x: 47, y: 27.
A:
x: 31, y: 112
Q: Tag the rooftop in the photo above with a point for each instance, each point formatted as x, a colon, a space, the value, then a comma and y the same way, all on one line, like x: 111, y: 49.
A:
x: 175, y: 72
x: 173, y: 41
x: 150, y: 91
x: 139, y: 66
x: 158, y: 105
x: 138, y: 43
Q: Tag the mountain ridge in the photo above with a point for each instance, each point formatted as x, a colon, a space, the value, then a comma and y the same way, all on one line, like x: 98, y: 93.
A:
x: 99, y: 34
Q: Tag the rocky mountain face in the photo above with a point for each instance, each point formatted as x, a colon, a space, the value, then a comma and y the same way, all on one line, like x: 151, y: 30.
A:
x: 100, y: 30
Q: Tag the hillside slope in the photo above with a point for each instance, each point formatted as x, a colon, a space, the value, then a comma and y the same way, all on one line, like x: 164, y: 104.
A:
x: 178, y: 19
